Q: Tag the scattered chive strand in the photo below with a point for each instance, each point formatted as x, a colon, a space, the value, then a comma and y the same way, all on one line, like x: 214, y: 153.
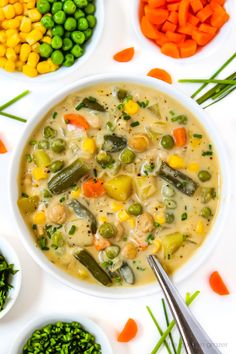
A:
x: 167, y: 323
x: 13, y: 117
x: 14, y: 100
x: 208, y: 81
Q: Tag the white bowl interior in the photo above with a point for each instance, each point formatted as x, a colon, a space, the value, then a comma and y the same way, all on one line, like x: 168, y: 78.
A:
x: 63, y: 71
x: 9, y: 253
x: 199, y: 256
x: 89, y: 325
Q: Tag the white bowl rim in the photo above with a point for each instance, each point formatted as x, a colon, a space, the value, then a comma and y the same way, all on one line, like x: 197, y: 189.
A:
x: 88, y: 324
x: 63, y: 72
x: 199, y: 256
x: 11, y: 256
x: 205, y: 52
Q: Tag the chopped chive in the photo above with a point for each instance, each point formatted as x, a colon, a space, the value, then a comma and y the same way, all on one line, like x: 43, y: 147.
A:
x: 28, y: 158
x: 143, y: 104
x: 54, y: 114
x: 198, y: 136
x: 72, y: 230
x: 14, y: 100
x: 32, y: 142
x: 167, y: 323
x: 208, y: 81
x: 8, y: 115
x: 134, y: 124
x: 184, y: 216
x: 172, y: 113
x: 79, y: 106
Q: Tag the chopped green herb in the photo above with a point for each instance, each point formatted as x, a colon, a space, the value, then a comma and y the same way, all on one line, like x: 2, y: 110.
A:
x: 79, y: 106
x: 42, y: 242
x: 33, y: 142
x: 24, y: 195
x: 34, y: 227
x: 198, y: 136
x: 172, y: 113
x: 125, y: 116
x: 184, y: 216
x: 149, y: 239
x: 143, y: 104
x: 54, y: 115
x: 62, y: 199
x: 156, y: 224
x: 148, y: 168
x: 6, y: 272
x: 111, y: 126
x: 28, y: 158
x: 134, y: 124
x: 181, y: 119
x: 207, y: 153
x: 72, y: 230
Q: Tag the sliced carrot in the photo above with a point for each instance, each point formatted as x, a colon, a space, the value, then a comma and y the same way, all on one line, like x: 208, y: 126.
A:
x: 202, y: 38
x: 204, y: 27
x: 173, y: 7
x: 183, y: 12
x: 161, y: 39
x: 101, y: 243
x: 93, y: 188
x: 77, y: 120
x: 170, y: 49
x: 193, y: 20
x: 160, y: 74
x: 124, y: 55
x: 180, y: 136
x: 173, y: 17
x: 187, y: 29
x: 156, y: 16
x: 217, y: 284
x: 187, y: 48
x: 219, y: 17
x: 156, y: 3
x: 175, y: 37
x: 196, y: 5
x: 168, y: 26
x: 3, y: 148
x: 205, y: 13
x: 148, y: 28
x: 128, y: 332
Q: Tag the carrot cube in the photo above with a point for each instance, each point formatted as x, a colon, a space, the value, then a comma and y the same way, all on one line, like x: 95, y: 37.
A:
x: 175, y: 37
x: 173, y: 7
x: 156, y: 16
x: 219, y: 17
x: 170, y: 49
x: 161, y: 39
x: 207, y: 28
x: 193, y: 20
x: 168, y: 26
x: 156, y: 3
x: 173, y: 17
x: 187, y: 48
x: 205, y: 13
x: 196, y: 5
x: 148, y: 28
x: 187, y: 29
x: 202, y: 38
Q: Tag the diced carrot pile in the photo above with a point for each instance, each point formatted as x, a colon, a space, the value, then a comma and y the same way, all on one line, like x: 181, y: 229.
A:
x: 181, y: 27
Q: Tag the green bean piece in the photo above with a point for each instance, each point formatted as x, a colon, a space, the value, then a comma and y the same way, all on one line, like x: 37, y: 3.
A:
x: 56, y: 166
x: 114, y: 143
x: 83, y: 212
x: 46, y: 194
x: 204, y: 176
x: 58, y: 145
x: 49, y: 132
x: 135, y: 209
x: 127, y: 156
x: 92, y: 103
x: 167, y: 142
x: 107, y: 230
x: 206, y: 212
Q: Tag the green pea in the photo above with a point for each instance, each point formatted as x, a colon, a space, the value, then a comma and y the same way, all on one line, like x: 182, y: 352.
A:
x: 112, y: 251
x: 47, y: 21
x: 45, y: 50
x: 59, y: 17
x: 78, y: 13
x: 69, y: 7
x: 43, y: 6
x: 57, y: 57
x: 88, y: 33
x: 58, y: 145
x: 168, y: 191
x: 167, y: 142
x: 56, y: 42
x: 135, y: 209
x: 43, y: 145
x: 56, y: 166
x: 91, y: 21
x: 69, y: 60
x: 170, y: 218
x: 170, y: 203
x: 107, y: 230
x: 70, y: 24
x: 67, y: 44
x: 204, y: 176
x: 78, y: 37
x: 77, y: 51
x: 81, y: 3
x: 104, y: 159
x: 206, y: 212
x: 82, y: 24
x: 56, y: 6
x: 49, y: 132
x: 58, y: 31
x: 90, y: 9
x: 127, y: 156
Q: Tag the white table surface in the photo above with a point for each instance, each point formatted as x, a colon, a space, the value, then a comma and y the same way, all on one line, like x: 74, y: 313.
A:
x: 41, y: 293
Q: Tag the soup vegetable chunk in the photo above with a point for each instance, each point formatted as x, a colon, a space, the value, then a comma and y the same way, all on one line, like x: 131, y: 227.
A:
x: 116, y: 172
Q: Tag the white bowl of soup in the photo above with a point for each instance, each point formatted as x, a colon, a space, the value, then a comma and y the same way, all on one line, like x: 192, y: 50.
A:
x: 114, y: 168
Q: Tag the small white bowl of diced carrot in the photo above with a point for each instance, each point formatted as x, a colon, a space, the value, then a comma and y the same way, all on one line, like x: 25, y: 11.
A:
x: 181, y: 28
x: 41, y: 36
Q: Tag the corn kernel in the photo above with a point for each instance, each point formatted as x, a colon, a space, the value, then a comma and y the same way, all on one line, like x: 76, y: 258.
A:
x: 122, y: 215
x: 39, y: 26
x: 17, y: 48
x: 195, y: 142
x: 19, y: 17
x: 10, y: 66
x: 38, y: 173
x: 9, y: 11
x: 13, y: 41
x: 10, y: 32
x: 34, y: 15
x: 3, y: 37
x: 24, y: 52
x: 43, y: 67
x: 23, y: 36
x: 30, y: 4
x: 160, y: 218
x: 3, y: 3
x: 53, y: 66
x: 19, y: 65
x: 176, y: 161
x: 3, y: 62
x: 102, y: 218
x: 200, y: 229
x: 12, y: 24
x: 35, y: 47
x: 88, y: 145
x: 193, y: 167
x: 34, y: 36
x: 11, y: 54
x: 131, y: 222
x: 18, y: 8
x: 2, y: 16
x: 82, y: 274
x: 131, y: 107
x: 25, y: 24
x: 12, y: 1
x: 116, y: 206
x: 75, y: 193
x: 29, y: 70
x: 157, y: 246
x: 33, y: 59
x: 39, y: 218
x: 47, y: 39
x: 2, y: 50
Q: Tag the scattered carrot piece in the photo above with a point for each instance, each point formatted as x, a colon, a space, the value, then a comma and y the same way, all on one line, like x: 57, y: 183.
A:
x: 124, y: 55
x: 3, y: 148
x: 129, y: 331
x: 180, y: 136
x: 217, y: 284
x: 160, y: 74
x: 101, y: 243
x: 77, y: 120
x: 93, y: 188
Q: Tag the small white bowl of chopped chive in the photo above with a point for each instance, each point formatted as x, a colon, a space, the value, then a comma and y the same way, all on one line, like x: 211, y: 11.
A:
x: 57, y: 333
x: 10, y: 276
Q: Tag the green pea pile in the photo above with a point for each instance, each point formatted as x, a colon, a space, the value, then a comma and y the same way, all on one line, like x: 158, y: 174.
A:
x: 70, y: 24
x: 62, y: 337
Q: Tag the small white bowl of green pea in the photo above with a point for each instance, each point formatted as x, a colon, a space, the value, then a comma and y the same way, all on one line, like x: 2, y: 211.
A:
x: 62, y: 331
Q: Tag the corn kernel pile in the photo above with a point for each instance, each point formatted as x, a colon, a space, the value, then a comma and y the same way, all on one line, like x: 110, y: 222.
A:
x: 20, y: 35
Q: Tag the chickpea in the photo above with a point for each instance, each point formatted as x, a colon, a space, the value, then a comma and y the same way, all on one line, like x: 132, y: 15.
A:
x: 57, y: 213
x: 139, y: 142
x: 130, y: 251
x: 145, y: 222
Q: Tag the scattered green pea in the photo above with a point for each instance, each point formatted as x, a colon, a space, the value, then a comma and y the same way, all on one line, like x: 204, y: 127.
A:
x: 170, y: 218
x: 58, y: 145
x: 78, y: 37
x: 81, y: 3
x: 49, y: 132
x: 59, y: 17
x: 56, y: 6
x: 90, y: 9
x: 107, y: 230
x: 170, y: 203
x: 56, y: 42
x: 204, y: 176
x: 43, y: 144
x: 77, y: 51
x: 127, y: 156
x: 67, y: 44
x: 91, y: 21
x: 206, y: 212
x: 78, y: 13
x: 135, y: 209
x: 58, y: 30
x: 82, y: 24
x: 167, y: 142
